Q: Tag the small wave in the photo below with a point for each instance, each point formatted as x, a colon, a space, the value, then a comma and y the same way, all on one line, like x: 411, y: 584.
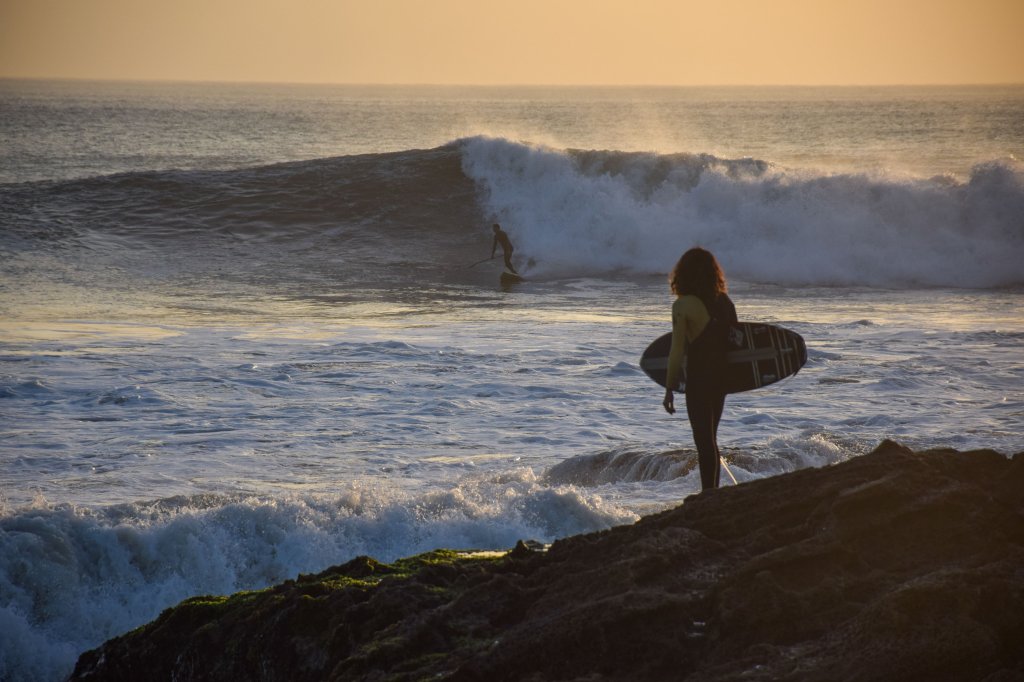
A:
x: 622, y: 466
x: 778, y: 455
x: 125, y: 396
x: 15, y: 388
x: 784, y: 454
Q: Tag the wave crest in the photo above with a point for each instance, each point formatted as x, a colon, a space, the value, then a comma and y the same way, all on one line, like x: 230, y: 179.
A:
x: 622, y: 466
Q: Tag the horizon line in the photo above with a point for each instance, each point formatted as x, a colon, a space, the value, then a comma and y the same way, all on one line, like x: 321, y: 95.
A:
x: 185, y: 81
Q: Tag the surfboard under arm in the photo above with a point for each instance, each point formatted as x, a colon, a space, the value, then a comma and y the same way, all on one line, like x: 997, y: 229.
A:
x: 757, y: 355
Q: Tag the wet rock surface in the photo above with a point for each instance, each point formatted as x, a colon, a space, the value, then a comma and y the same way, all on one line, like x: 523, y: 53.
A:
x: 895, y: 565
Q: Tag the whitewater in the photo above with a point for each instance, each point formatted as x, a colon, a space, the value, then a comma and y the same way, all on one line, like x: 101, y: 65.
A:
x: 245, y: 332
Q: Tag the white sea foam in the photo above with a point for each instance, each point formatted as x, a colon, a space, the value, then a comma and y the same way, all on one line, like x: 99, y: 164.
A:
x: 591, y: 213
x: 71, y: 578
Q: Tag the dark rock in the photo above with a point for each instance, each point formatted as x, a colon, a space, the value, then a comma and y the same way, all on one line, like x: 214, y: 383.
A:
x: 892, y: 566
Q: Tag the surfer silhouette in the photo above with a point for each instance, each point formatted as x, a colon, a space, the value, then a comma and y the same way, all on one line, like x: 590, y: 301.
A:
x: 501, y: 237
x: 701, y: 307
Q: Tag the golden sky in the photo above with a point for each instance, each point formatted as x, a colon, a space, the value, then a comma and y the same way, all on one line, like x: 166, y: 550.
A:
x: 559, y: 42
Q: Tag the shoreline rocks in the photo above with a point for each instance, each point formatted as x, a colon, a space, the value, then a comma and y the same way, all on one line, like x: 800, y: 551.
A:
x: 894, y: 565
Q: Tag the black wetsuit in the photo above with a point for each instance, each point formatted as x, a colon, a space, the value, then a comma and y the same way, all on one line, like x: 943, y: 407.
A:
x: 506, y: 248
x: 705, y: 397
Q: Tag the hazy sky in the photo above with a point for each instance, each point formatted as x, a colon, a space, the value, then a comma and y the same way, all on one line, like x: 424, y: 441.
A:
x: 659, y: 42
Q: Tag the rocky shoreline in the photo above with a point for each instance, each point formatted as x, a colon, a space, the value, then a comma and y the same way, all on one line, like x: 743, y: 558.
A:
x: 896, y: 565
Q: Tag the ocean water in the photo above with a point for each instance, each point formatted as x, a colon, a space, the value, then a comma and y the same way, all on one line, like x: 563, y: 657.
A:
x: 245, y: 331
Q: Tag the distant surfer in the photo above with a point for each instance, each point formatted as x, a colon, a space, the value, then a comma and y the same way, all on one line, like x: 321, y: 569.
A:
x: 702, y: 303
x: 501, y: 237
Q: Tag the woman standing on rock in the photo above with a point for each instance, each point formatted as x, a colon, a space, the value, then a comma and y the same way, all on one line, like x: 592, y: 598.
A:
x: 700, y: 311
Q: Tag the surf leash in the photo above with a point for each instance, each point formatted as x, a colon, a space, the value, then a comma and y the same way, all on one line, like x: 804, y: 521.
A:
x: 727, y: 469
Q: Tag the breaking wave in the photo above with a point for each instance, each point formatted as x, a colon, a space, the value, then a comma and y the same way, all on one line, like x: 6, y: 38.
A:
x: 588, y: 212
x: 571, y: 213
x: 71, y: 578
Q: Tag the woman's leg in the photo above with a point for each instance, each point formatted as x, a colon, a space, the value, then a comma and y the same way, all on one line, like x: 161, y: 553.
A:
x: 705, y: 412
x: 717, y: 406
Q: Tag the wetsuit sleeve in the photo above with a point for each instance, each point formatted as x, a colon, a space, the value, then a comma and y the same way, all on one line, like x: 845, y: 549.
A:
x: 678, y: 351
x: 689, y: 317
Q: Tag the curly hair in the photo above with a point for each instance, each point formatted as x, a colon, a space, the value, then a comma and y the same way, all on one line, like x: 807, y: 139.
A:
x: 698, y: 273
